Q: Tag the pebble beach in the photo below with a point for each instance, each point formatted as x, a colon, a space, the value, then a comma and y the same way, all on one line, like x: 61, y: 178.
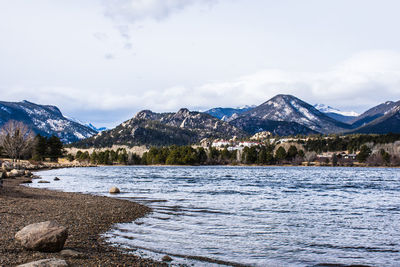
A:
x: 87, y: 217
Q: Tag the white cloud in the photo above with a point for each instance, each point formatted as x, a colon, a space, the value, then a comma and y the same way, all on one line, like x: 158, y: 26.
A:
x: 127, y: 12
x: 364, y: 80
x: 132, y: 11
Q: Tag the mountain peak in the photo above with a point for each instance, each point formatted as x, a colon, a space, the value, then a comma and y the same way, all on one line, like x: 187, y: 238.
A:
x: 144, y: 114
x: 285, y: 97
x: 289, y: 108
x: 183, y: 111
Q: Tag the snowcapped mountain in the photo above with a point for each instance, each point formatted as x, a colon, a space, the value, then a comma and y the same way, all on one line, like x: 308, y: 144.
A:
x: 288, y: 108
x: 228, y: 114
x: 389, y: 123
x: 328, y: 109
x: 375, y: 113
x: 45, y: 120
x: 88, y: 124
x: 343, y: 116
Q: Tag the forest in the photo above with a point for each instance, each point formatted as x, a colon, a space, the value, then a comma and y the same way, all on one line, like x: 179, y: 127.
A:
x: 336, y: 151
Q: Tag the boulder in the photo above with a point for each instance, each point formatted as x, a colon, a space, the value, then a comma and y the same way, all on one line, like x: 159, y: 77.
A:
x: 44, y: 236
x: 46, y: 263
x: 7, y: 166
x: 56, y: 179
x: 16, y: 172
x: 43, y: 182
x: 114, y: 190
x: 28, y: 173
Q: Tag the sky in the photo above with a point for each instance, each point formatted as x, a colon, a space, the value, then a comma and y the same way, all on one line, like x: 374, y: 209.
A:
x: 102, y: 61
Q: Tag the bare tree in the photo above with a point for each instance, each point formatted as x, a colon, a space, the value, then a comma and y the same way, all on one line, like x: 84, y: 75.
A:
x: 16, y: 139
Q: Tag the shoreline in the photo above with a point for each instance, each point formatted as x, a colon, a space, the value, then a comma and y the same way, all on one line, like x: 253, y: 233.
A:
x: 86, y: 216
x: 241, y: 165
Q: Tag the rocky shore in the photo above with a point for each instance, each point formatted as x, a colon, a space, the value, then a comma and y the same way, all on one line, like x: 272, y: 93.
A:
x: 85, y: 216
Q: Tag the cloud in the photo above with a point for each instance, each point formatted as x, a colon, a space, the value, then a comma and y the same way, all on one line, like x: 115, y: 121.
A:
x: 109, y: 56
x: 364, y: 80
x: 131, y: 11
x: 127, y: 12
x: 101, y: 36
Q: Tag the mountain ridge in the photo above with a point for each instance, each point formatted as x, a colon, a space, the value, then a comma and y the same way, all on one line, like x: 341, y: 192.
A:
x: 46, y: 120
x: 149, y: 128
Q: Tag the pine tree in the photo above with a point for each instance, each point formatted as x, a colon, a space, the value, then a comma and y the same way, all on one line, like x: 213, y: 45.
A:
x: 363, y: 154
x: 280, y: 154
x: 55, y: 148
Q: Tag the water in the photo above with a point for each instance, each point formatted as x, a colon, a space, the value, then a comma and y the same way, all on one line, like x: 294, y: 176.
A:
x: 261, y: 216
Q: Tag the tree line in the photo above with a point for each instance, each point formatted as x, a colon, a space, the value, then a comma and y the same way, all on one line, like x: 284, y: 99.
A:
x: 349, y: 143
x: 255, y: 155
x: 188, y: 155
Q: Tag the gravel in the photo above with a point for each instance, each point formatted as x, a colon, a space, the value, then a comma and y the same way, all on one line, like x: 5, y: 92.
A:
x: 86, y: 216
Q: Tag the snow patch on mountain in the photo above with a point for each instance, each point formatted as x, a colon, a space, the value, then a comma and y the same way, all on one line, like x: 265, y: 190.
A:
x: 88, y: 124
x: 328, y: 109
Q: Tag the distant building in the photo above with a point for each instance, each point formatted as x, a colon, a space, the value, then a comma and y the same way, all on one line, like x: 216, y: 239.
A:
x: 249, y: 144
x: 220, y: 143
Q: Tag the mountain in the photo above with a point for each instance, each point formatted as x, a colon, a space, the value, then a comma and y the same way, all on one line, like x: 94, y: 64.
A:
x: 342, y: 116
x: 149, y: 128
x: 253, y: 125
x: 388, y: 123
x: 88, y: 124
x: 374, y: 113
x: 287, y: 108
x: 91, y: 126
x: 227, y: 114
x: 45, y: 120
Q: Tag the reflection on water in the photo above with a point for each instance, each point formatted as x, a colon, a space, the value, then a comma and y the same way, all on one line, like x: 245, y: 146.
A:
x: 291, y: 216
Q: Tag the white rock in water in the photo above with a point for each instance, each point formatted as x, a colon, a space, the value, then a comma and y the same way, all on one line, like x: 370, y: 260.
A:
x: 114, y: 190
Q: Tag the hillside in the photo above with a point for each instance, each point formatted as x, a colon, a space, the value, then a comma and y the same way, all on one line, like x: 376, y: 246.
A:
x: 45, y: 120
x: 227, y: 114
x: 374, y: 113
x: 388, y: 123
x: 149, y: 128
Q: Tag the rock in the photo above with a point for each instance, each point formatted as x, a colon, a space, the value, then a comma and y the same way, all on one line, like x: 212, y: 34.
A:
x: 36, y: 177
x: 166, y: 258
x: 46, y: 263
x: 71, y: 253
x: 43, y: 182
x: 44, y: 236
x: 16, y: 172
x: 56, y: 179
x: 7, y: 166
x: 114, y: 190
x: 26, y: 182
x: 28, y: 173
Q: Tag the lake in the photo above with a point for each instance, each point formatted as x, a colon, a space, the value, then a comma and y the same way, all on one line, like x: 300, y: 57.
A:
x: 258, y: 216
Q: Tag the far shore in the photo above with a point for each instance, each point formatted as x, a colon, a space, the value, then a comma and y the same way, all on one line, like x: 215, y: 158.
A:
x: 86, y: 216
